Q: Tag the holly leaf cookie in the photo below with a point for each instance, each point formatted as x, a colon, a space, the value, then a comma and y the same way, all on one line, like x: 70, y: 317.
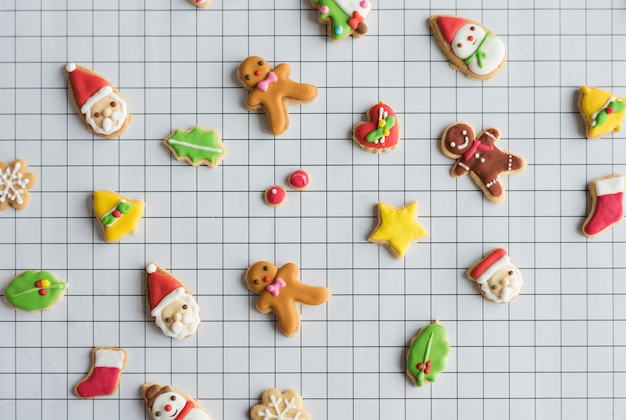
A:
x: 196, y: 146
x: 15, y: 181
x: 471, y: 47
x: 101, y: 107
x: 427, y: 354
x: 343, y: 17
x: 165, y: 402
x: 34, y: 291
x: 381, y: 132
x: 280, y: 406
x: 601, y: 111
x: 118, y: 215
x: 397, y: 229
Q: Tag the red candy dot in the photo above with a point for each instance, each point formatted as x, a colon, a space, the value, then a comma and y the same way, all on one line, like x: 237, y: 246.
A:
x: 420, y: 366
x: 275, y: 195
x: 38, y: 283
x: 427, y: 371
x: 43, y: 292
x: 429, y: 363
x: 117, y: 214
x: 609, y: 109
x: 299, y: 179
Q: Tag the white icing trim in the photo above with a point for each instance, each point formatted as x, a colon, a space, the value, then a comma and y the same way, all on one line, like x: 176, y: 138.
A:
x: 167, y: 299
x: 70, y: 67
x: 194, y: 146
x: 462, y: 165
x: 9, y: 180
x: 349, y: 6
x: 151, y: 268
x: 464, y: 145
x: 490, y: 135
x: 102, y: 93
x: 483, y: 278
x: 109, y: 358
x: 610, y: 185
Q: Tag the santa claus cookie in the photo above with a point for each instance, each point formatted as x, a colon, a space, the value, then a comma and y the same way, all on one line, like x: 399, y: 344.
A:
x: 343, y: 17
x: 100, y: 106
x: 428, y: 353
x: 381, y: 131
x: 118, y: 215
x: 15, y: 181
x: 280, y: 406
x: 471, y: 47
x: 496, y: 277
x: 281, y: 291
x: 272, y: 90
x: 601, y: 111
x: 607, y: 204
x: 478, y: 156
x: 165, y: 402
x: 172, y: 306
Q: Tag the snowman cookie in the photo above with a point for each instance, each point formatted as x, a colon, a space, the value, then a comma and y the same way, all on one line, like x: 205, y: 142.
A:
x: 165, y: 402
x: 471, y: 47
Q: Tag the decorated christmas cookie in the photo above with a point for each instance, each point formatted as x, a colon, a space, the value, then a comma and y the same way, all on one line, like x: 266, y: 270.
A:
x: 200, y: 3
x: 496, y: 277
x: 34, y: 291
x: 427, y: 354
x: 381, y: 132
x: 275, y: 195
x: 272, y: 90
x: 397, y: 229
x: 280, y: 406
x: 107, y: 364
x: 602, y: 112
x: 280, y: 291
x: 343, y: 17
x: 479, y: 157
x: 100, y: 106
x: 15, y: 181
x: 118, y: 215
x: 299, y: 179
x: 172, y: 306
x: 471, y: 47
x: 196, y: 146
x: 607, y: 204
x: 165, y: 402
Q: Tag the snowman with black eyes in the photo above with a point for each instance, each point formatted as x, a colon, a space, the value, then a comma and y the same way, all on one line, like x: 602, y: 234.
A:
x: 481, y: 50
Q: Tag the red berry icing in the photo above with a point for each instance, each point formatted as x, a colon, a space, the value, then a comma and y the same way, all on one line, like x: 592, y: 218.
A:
x: 275, y: 195
x: 609, y: 109
x: 116, y: 214
x: 299, y: 179
x: 38, y: 283
x: 429, y: 363
x: 43, y: 292
x: 420, y: 366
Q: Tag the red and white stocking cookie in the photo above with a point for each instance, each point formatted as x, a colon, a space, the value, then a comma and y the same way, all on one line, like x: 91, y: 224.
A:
x: 105, y: 374
x: 381, y: 132
x: 607, y: 204
x: 478, y: 156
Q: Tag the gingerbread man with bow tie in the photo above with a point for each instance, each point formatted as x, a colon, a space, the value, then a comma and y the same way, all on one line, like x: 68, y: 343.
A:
x: 272, y: 90
x: 281, y: 291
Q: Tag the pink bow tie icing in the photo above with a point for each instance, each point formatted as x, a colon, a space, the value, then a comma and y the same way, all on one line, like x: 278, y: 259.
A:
x: 264, y: 84
x: 274, y: 287
x: 477, y: 145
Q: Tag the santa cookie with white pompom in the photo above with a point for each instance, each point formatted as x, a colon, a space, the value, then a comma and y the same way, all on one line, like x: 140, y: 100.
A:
x: 497, y: 278
x: 173, y: 307
x: 100, y: 106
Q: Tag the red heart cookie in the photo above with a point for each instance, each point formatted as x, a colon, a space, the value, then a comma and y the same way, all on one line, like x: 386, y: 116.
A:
x: 381, y: 133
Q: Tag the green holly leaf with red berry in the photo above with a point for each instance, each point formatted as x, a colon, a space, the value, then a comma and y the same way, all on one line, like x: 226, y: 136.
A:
x: 428, y: 353
x: 34, y: 291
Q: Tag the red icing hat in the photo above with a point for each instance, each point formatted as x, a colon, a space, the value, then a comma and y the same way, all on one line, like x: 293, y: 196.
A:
x: 163, y: 289
x: 492, y: 262
x: 88, y: 87
x: 449, y: 26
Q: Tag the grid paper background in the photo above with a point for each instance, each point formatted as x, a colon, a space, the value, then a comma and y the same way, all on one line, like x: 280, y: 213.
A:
x: 556, y: 352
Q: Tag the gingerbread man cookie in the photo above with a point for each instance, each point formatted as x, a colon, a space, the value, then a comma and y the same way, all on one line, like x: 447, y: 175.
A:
x: 272, y: 90
x: 479, y: 156
x: 281, y: 291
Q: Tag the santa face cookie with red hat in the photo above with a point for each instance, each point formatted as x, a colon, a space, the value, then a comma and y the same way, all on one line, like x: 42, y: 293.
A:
x: 165, y: 402
x: 496, y: 277
x: 471, y: 47
x: 100, y: 106
x: 172, y: 306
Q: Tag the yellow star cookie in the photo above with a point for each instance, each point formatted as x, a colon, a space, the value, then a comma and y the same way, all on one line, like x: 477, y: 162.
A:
x: 397, y: 228
x: 601, y: 111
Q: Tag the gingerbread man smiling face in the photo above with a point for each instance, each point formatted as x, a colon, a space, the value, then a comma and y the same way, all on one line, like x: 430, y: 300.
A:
x: 272, y: 90
x: 280, y: 291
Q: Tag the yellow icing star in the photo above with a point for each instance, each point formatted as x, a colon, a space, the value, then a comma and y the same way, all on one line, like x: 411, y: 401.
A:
x: 397, y: 228
x: 602, y: 111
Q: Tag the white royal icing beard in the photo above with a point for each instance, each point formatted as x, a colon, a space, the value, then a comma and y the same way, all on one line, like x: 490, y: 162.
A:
x: 507, y: 293
x: 178, y: 329
x: 108, y: 125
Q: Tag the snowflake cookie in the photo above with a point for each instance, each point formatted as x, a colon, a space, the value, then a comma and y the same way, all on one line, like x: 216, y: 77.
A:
x: 15, y: 180
x: 280, y: 406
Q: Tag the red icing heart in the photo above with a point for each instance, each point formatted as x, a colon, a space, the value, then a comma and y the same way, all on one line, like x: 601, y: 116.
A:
x: 361, y: 130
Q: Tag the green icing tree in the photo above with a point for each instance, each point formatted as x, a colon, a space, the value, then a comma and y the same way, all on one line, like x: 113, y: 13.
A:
x: 338, y: 19
x: 428, y: 353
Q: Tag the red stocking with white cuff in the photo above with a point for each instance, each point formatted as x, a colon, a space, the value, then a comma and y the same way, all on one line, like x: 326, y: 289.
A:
x: 608, y: 207
x: 105, y: 373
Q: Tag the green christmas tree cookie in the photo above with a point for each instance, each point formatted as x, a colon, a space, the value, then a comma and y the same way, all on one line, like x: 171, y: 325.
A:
x: 427, y: 354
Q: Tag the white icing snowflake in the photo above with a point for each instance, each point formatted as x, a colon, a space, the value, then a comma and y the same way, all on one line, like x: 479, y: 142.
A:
x: 280, y: 407
x: 14, y: 184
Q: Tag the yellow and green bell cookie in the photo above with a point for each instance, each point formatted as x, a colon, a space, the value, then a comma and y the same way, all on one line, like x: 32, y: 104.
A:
x: 118, y: 215
x: 602, y: 111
